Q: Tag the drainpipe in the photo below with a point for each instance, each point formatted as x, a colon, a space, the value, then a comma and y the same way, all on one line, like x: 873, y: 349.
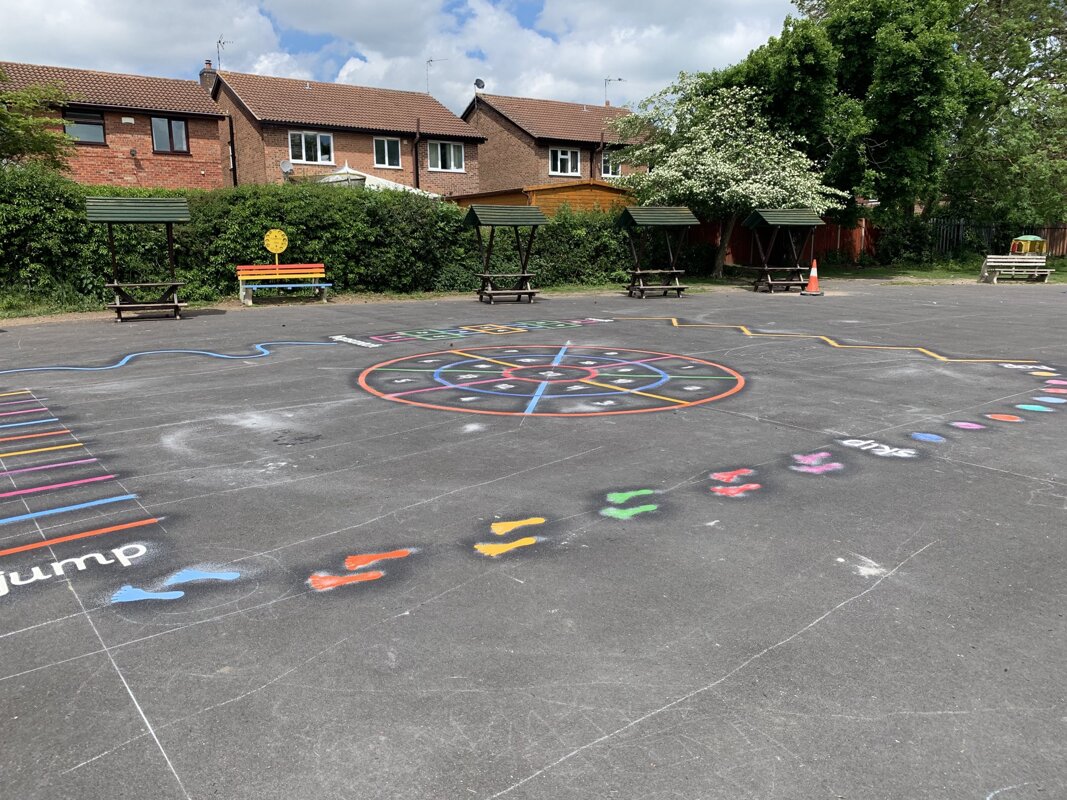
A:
x: 415, y: 147
x: 233, y: 150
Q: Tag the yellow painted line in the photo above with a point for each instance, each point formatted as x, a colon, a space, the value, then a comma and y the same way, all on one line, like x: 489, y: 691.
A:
x: 634, y: 391
x: 495, y: 361
x: 12, y: 394
x: 493, y: 550
x: 504, y: 528
x: 674, y: 321
x: 41, y: 450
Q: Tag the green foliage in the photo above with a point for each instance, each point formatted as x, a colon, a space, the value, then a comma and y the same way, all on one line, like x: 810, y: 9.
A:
x: 370, y: 241
x: 28, y: 126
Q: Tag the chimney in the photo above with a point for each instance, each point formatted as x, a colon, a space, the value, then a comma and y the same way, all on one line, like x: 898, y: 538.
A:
x: 607, y: 103
x: 207, y: 76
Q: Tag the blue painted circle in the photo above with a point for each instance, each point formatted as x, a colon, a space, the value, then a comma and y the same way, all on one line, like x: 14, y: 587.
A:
x: 928, y: 437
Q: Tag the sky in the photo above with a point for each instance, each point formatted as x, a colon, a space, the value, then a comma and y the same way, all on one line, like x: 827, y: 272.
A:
x: 552, y: 49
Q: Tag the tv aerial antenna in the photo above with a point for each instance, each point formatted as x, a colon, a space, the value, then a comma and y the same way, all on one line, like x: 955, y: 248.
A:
x: 220, y: 45
x: 430, y: 61
x: 606, y: 82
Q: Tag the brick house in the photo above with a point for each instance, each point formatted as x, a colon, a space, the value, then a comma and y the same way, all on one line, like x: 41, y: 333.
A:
x: 404, y: 137
x: 533, y: 142
x: 133, y: 130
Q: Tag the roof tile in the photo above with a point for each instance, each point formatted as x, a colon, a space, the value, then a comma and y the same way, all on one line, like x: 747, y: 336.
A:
x: 114, y: 90
x: 342, y: 105
x: 553, y: 119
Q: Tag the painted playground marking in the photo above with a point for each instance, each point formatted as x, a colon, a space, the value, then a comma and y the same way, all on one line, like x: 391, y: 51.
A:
x: 551, y: 381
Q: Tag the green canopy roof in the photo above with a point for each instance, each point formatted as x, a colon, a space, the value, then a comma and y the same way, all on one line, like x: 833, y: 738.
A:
x: 783, y: 217
x: 1028, y: 238
x: 658, y: 216
x: 137, y: 209
x: 510, y: 216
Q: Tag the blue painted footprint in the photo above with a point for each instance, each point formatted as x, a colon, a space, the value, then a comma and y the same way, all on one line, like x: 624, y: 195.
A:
x: 191, y: 574
x: 133, y: 594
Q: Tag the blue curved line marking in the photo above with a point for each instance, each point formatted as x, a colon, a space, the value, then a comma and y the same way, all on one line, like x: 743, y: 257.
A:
x: 263, y: 348
x: 544, y: 384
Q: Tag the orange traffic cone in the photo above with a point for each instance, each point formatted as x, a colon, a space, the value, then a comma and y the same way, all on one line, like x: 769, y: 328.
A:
x: 813, y: 281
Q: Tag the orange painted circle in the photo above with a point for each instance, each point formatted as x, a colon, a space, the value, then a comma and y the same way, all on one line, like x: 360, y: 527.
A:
x: 550, y: 381
x: 1004, y: 417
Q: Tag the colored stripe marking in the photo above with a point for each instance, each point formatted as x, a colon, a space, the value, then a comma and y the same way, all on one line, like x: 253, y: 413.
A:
x: 490, y: 360
x: 12, y: 394
x: 504, y: 528
x: 321, y: 582
x: 634, y: 391
x: 55, y: 465
x: 352, y: 563
x: 494, y: 549
x: 57, y: 486
x: 60, y: 539
x: 23, y: 411
x: 33, y: 435
x: 49, y: 512
x: 41, y: 450
x: 31, y: 422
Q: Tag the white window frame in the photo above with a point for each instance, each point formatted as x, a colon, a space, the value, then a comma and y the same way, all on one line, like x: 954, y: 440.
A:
x: 570, y: 151
x: 437, y: 148
x: 302, y: 157
x: 399, y: 155
x: 607, y: 169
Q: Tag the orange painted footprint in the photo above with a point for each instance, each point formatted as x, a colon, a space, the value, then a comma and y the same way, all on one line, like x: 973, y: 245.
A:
x: 324, y: 581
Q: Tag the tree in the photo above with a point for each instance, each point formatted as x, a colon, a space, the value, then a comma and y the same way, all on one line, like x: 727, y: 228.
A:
x: 715, y: 153
x: 28, y: 129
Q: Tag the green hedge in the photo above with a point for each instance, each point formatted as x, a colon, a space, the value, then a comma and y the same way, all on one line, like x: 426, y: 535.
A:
x: 375, y: 241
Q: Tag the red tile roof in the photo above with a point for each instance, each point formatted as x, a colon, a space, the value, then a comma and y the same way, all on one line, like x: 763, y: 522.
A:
x: 552, y: 119
x: 115, y: 90
x: 340, y: 105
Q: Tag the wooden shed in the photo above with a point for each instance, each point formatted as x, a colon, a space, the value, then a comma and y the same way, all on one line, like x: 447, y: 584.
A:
x: 587, y: 195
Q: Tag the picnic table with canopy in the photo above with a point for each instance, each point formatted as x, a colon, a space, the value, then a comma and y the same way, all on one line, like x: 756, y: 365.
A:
x: 639, y: 222
x: 145, y: 295
x: 497, y: 284
x: 796, y: 227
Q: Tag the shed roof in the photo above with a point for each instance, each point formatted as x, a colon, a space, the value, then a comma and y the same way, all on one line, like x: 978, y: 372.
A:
x: 288, y: 101
x: 783, y: 217
x: 658, y: 216
x: 89, y: 88
x: 504, y: 216
x: 137, y: 209
x: 554, y: 119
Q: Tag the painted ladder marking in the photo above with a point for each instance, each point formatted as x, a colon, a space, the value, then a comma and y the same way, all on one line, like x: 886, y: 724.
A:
x: 504, y: 528
x: 494, y: 549
x: 60, y: 539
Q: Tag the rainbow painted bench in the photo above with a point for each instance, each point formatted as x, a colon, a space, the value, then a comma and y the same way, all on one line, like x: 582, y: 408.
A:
x: 252, y: 277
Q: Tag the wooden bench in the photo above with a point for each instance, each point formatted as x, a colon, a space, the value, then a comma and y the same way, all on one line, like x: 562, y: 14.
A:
x: 167, y: 299
x: 664, y: 280
x: 281, y: 276
x: 1030, y: 267
x: 778, y: 278
x: 491, y: 288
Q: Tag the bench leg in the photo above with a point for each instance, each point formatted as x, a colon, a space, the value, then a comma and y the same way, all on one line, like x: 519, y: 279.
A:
x: 246, y: 296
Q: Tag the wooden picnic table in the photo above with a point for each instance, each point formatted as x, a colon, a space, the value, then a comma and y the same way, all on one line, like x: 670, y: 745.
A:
x: 518, y: 285
x: 662, y: 280
x: 165, y: 298
x: 784, y: 278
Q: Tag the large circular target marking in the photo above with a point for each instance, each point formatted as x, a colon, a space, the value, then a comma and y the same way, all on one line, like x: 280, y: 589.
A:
x: 550, y: 380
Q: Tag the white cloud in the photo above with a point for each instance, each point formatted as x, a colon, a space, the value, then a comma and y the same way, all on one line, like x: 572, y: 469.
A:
x: 575, y: 47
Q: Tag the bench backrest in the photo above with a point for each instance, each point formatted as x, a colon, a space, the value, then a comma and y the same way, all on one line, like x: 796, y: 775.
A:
x: 286, y: 271
x: 1015, y: 261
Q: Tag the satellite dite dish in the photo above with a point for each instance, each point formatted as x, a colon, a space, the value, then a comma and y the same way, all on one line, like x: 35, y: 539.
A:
x: 286, y: 166
x: 479, y: 83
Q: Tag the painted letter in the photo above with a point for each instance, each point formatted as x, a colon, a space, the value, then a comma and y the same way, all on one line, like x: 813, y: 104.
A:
x: 3, y: 584
x: 79, y: 562
x: 36, y: 572
x: 139, y: 550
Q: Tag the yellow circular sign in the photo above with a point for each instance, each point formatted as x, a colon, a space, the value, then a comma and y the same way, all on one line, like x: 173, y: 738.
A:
x: 276, y: 241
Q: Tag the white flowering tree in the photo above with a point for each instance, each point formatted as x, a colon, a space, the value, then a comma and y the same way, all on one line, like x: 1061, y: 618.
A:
x: 715, y: 153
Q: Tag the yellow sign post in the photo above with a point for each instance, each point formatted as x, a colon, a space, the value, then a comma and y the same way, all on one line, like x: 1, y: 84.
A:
x: 276, y: 241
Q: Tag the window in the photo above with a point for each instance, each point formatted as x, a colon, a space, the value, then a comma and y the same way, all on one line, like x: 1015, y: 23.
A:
x: 308, y: 147
x: 446, y: 156
x: 83, y: 127
x: 563, y: 162
x: 387, y: 153
x: 608, y: 168
x: 168, y: 135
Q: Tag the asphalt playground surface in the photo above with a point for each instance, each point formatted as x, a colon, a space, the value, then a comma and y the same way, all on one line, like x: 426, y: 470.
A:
x: 724, y: 546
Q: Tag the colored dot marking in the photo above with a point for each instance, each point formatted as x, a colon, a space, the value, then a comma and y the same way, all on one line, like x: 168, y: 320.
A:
x: 321, y: 582
x: 1057, y: 383
x: 504, y: 528
x: 732, y: 475
x: 1053, y: 400
x: 968, y: 426
x: 735, y: 491
x: 352, y: 563
x: 928, y: 437
x: 1045, y: 374
x: 623, y: 497
x: 131, y: 594
x: 1054, y: 391
x: 1005, y: 417
x: 494, y: 549
x: 627, y: 513
x: 1032, y: 407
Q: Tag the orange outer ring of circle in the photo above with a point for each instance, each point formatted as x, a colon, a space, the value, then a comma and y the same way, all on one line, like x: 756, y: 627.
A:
x: 363, y: 383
